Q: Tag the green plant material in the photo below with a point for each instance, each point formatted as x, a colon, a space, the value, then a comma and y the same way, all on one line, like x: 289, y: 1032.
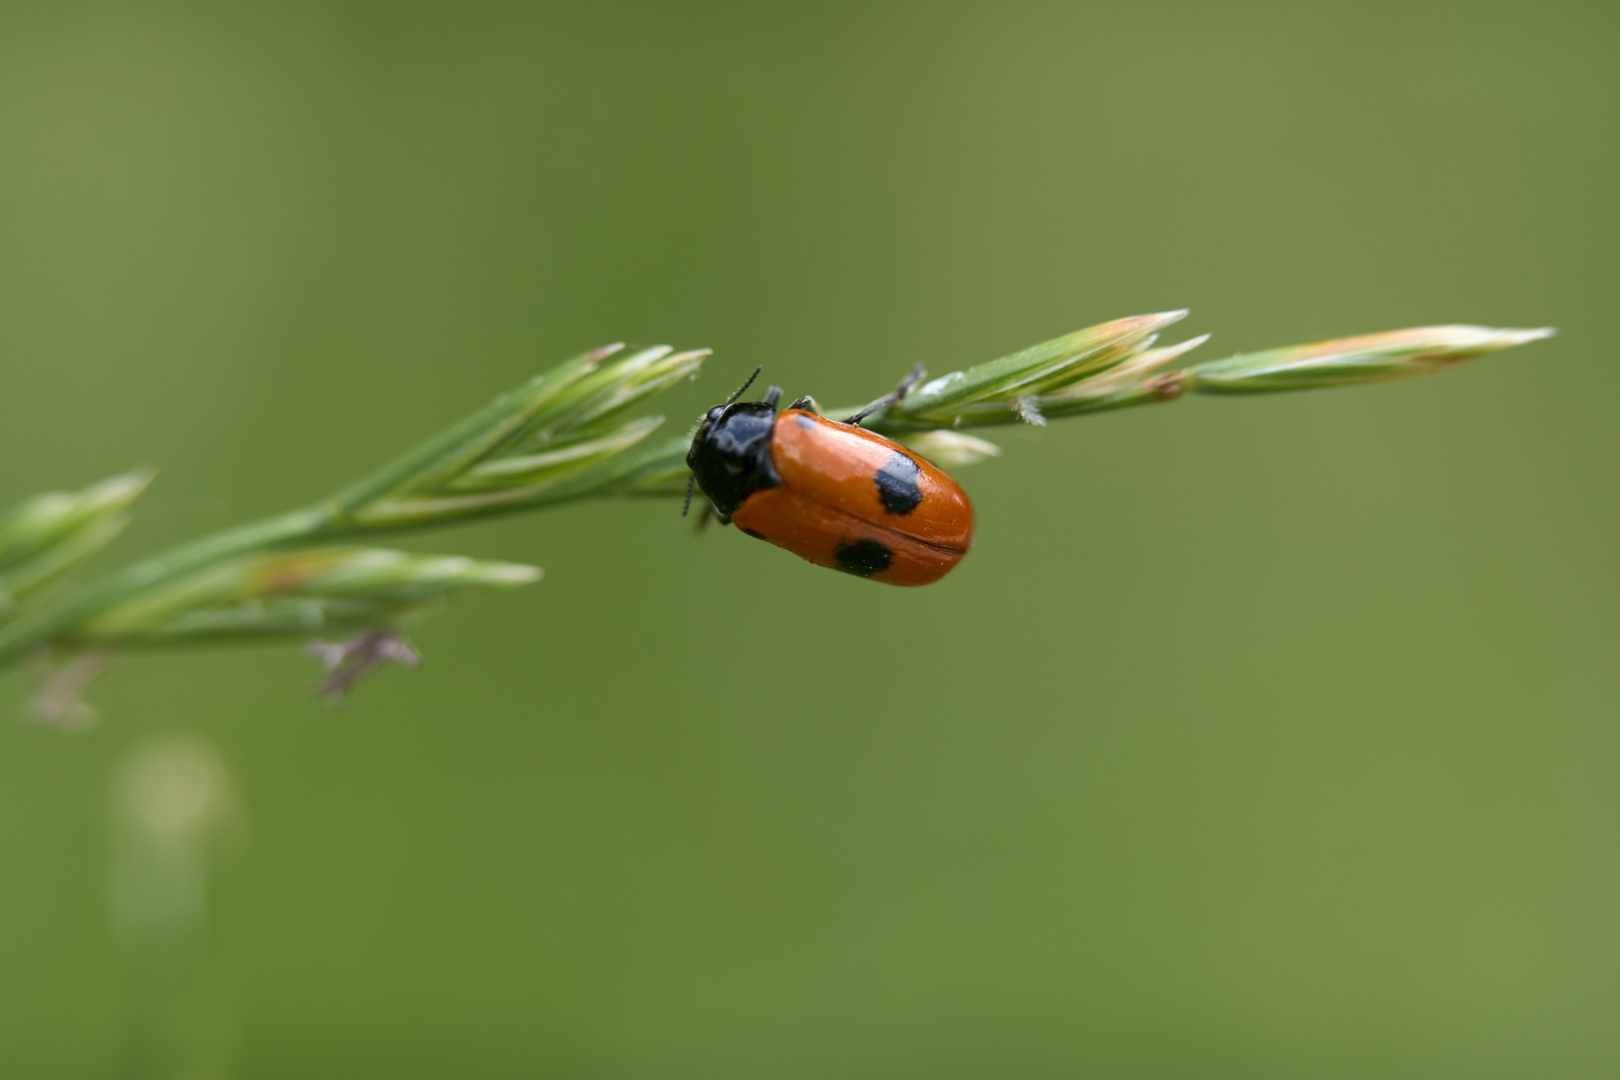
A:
x: 1026, y: 386
x: 525, y: 447
x: 951, y: 449
x: 1398, y: 354
x: 298, y: 593
x: 562, y: 436
x: 565, y: 436
x: 50, y: 534
x: 559, y: 457
x: 1115, y: 365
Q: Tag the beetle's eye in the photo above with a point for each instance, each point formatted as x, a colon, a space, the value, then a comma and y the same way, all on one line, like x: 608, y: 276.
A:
x: 715, y: 413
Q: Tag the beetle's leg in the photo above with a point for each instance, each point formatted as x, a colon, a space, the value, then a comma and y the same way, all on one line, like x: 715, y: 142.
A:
x: 807, y: 403
x: 913, y: 377
x: 707, y: 513
x: 881, y: 403
x: 772, y: 396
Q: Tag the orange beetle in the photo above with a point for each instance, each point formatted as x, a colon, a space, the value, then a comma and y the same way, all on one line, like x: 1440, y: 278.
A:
x: 831, y: 492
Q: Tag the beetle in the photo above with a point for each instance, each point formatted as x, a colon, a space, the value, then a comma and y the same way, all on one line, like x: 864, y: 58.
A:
x: 828, y: 490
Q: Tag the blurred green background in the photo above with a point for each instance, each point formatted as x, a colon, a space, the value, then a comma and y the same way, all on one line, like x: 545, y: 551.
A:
x: 1267, y: 737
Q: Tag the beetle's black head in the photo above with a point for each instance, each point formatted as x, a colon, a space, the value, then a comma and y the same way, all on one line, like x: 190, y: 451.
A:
x: 730, y: 456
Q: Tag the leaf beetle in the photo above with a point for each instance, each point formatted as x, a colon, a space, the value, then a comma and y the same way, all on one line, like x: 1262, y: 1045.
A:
x: 830, y: 491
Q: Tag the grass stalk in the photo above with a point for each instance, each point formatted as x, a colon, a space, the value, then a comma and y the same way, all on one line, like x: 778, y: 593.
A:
x: 562, y: 437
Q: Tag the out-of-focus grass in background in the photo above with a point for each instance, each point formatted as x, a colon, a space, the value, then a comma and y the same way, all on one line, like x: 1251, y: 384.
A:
x: 1268, y: 737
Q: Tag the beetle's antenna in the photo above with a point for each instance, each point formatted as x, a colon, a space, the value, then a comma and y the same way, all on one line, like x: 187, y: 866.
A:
x: 691, y: 482
x: 750, y: 382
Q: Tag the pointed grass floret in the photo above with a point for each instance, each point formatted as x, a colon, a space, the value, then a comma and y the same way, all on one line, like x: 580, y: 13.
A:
x: 49, y: 534
x: 1030, y: 373
x: 561, y: 437
x: 1397, y: 354
x: 951, y: 449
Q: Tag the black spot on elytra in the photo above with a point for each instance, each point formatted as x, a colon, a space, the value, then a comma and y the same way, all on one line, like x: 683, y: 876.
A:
x: 897, y: 484
x: 863, y: 557
x: 755, y: 535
